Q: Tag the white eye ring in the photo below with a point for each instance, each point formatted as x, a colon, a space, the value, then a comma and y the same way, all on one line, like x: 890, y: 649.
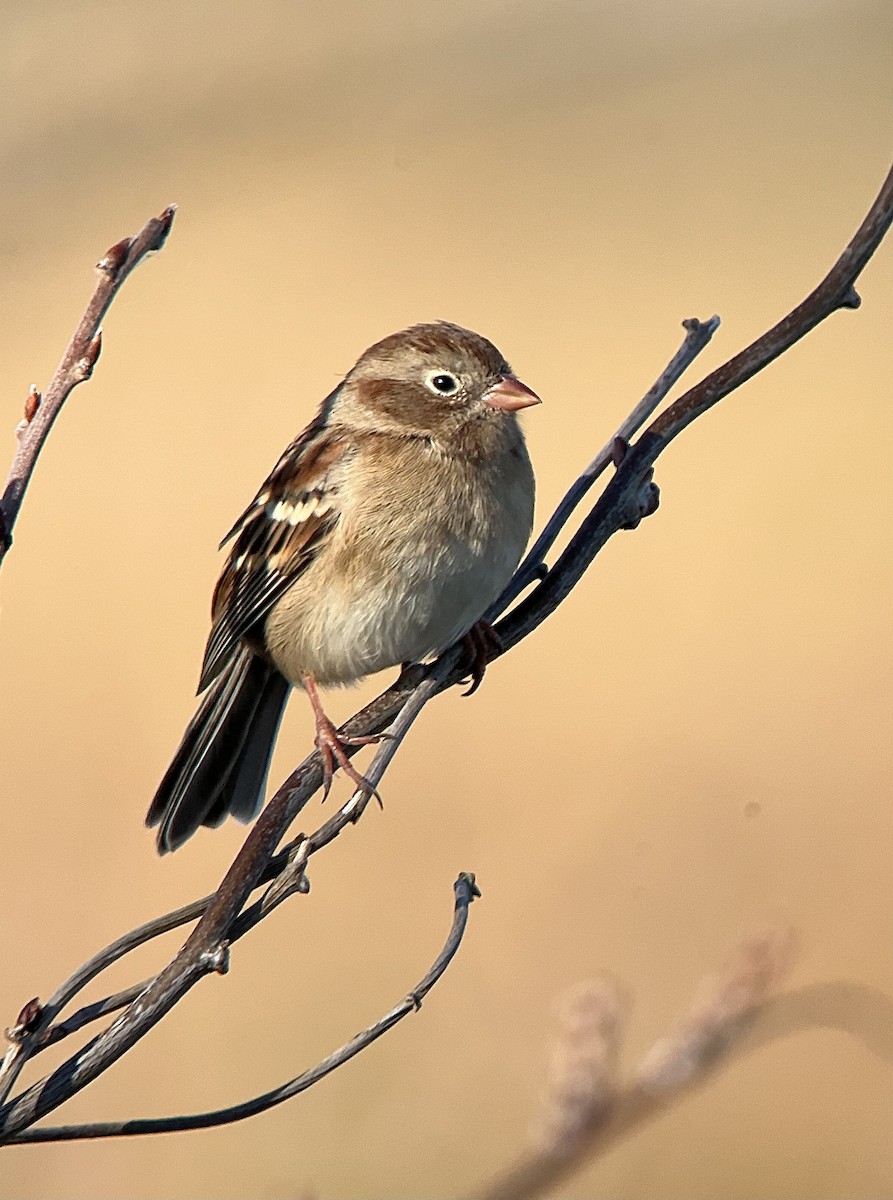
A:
x: 442, y: 383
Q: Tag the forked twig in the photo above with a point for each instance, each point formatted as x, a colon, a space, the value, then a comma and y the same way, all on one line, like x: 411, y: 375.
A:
x: 627, y: 498
x: 697, y: 337
x: 465, y: 890
x: 586, y: 1110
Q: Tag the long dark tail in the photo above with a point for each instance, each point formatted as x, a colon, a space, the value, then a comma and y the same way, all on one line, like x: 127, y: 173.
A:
x: 221, y: 764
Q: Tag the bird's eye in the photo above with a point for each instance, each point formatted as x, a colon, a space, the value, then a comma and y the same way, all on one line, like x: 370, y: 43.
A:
x: 442, y: 383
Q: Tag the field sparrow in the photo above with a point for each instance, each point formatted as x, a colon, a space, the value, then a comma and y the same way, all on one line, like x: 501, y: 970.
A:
x: 383, y: 533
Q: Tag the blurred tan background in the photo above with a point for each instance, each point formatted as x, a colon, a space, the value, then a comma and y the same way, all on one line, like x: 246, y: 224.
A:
x: 572, y: 180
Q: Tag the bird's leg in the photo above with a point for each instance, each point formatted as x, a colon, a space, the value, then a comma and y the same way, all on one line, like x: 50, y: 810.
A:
x: 331, y: 745
x: 482, y: 643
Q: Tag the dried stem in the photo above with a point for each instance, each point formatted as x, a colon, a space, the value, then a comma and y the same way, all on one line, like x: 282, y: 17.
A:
x: 619, y: 506
x: 76, y: 366
x: 89, y: 1013
x: 465, y: 892
x: 628, y: 497
x: 49, y: 1034
x: 697, y: 337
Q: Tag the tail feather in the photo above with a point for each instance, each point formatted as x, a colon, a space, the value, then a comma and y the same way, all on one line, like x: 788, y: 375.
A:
x: 221, y: 764
x: 243, y: 791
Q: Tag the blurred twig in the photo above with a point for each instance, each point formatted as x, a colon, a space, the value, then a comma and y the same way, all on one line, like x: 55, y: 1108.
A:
x: 76, y: 366
x: 586, y: 1111
x: 629, y: 496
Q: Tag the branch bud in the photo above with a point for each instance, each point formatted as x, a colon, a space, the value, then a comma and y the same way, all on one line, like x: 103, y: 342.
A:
x: 83, y: 368
x: 26, y: 1021
x: 167, y: 220
x: 32, y: 404
x: 114, y: 257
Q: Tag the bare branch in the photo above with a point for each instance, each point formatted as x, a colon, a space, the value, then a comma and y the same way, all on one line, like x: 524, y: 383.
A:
x: 629, y: 496
x: 36, y: 1019
x: 466, y: 891
x: 293, y: 877
x: 76, y: 366
x: 90, y: 1012
x: 837, y: 290
x: 697, y: 336
x: 38, y: 1034
x: 621, y: 504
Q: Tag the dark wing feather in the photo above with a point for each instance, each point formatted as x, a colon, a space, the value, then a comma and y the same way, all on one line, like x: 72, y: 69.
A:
x: 275, y: 541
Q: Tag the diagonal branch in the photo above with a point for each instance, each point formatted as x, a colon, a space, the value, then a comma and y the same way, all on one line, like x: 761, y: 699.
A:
x: 38, y: 1020
x: 466, y: 891
x: 620, y: 505
x: 837, y: 290
x: 76, y: 366
x: 628, y: 497
x: 697, y: 337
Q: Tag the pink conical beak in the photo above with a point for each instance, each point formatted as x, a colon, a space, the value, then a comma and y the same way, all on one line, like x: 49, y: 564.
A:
x: 510, y: 394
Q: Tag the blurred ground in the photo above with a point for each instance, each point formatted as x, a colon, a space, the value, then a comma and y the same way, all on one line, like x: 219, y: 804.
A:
x: 572, y: 180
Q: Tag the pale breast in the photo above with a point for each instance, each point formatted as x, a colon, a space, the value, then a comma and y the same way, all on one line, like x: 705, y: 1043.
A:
x: 408, y: 568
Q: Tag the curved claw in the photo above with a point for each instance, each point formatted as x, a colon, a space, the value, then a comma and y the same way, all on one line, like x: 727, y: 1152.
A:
x: 328, y: 767
x: 482, y: 643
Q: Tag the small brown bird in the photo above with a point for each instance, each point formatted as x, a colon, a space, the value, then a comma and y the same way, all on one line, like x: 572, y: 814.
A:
x: 382, y: 535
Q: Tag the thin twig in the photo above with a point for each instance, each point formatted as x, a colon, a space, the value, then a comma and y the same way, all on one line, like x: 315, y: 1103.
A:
x: 38, y: 1035
x: 628, y: 497
x: 697, y: 337
x: 292, y: 877
x: 287, y: 871
x: 48, y: 1034
x: 89, y: 1013
x: 76, y: 365
x: 465, y: 890
x: 620, y: 506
